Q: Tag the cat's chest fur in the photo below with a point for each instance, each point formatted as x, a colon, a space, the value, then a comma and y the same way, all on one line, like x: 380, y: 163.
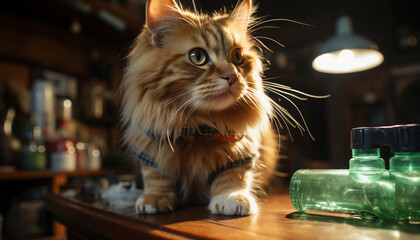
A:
x: 191, y: 162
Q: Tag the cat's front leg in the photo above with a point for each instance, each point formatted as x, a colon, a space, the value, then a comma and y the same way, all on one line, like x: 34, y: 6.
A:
x: 231, y: 194
x: 159, y: 193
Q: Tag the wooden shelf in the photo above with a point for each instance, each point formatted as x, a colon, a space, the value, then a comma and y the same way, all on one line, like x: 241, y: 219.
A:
x: 47, y: 174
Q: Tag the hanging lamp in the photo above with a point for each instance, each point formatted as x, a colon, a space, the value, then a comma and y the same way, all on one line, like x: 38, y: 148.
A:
x: 347, y: 52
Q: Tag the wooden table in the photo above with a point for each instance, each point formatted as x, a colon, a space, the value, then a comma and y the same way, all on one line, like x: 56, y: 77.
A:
x: 277, y: 220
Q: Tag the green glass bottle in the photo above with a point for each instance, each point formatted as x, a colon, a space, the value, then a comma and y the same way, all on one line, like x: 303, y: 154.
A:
x: 359, y: 190
x: 405, y: 171
x: 367, y: 188
x: 404, y: 168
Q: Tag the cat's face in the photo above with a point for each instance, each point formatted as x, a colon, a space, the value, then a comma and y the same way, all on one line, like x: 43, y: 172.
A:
x: 206, y: 63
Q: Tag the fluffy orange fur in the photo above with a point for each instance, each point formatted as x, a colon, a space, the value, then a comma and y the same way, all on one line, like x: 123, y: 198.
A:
x: 164, y: 92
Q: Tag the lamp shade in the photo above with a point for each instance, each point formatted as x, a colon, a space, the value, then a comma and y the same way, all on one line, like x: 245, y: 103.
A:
x: 347, y: 52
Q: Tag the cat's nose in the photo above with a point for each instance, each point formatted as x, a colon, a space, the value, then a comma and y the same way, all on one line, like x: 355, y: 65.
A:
x: 230, y: 77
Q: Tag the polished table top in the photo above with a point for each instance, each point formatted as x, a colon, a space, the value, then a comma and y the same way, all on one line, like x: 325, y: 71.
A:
x: 277, y: 220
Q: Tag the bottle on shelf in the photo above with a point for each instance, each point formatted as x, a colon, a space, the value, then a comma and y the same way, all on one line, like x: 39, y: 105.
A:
x: 43, y: 106
x: 63, y: 148
x: 33, y: 152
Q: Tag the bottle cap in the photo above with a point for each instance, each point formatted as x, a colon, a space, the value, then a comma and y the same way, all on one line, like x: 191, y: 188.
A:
x: 401, y: 138
x: 406, y: 138
x: 368, y: 137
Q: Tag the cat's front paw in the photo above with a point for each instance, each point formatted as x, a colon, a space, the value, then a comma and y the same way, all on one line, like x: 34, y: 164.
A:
x: 152, y: 204
x: 237, y: 203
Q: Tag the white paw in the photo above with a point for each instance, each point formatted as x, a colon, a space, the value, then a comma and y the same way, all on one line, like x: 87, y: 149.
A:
x: 236, y: 203
x: 152, y: 204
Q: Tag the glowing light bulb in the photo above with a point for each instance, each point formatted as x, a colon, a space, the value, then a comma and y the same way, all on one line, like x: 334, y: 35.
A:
x: 346, y: 61
x: 346, y: 56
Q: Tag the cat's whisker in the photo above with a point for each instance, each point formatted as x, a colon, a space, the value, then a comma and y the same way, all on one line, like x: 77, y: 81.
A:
x: 262, y: 44
x: 298, y: 125
x: 195, y: 7
x: 301, y: 115
x: 267, y: 38
x: 276, y: 124
x: 258, y: 48
x: 264, y: 27
x: 254, y: 93
x: 182, y: 107
x: 288, y: 117
x: 257, y: 19
x: 254, y: 102
x: 279, y: 20
x: 273, y: 90
x: 280, y: 114
x: 280, y: 86
x: 169, y: 141
x: 252, y: 99
x: 279, y: 111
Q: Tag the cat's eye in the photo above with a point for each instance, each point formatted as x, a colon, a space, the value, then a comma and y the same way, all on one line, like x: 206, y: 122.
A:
x: 198, y: 56
x: 237, y: 57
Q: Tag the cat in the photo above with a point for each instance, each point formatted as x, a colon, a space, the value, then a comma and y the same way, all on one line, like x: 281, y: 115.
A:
x: 195, y: 111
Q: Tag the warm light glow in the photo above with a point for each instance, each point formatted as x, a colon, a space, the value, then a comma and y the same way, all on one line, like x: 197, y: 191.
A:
x: 67, y: 103
x: 347, y: 61
x: 96, y: 153
x: 41, y: 149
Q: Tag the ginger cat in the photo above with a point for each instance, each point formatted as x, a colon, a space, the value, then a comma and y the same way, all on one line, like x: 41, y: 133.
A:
x: 195, y: 111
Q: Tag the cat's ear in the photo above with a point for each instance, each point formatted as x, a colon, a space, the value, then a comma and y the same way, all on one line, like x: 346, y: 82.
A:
x: 240, y: 17
x: 160, y: 17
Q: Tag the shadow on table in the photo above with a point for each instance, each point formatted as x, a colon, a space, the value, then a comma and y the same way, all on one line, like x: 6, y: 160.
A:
x: 359, y: 222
